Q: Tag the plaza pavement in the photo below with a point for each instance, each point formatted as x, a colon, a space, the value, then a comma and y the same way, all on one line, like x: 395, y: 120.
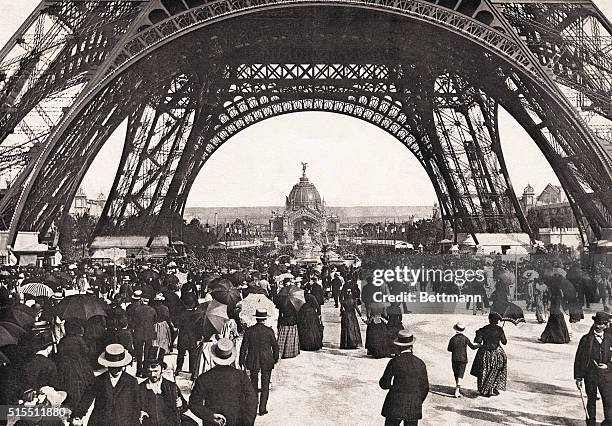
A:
x: 340, y: 387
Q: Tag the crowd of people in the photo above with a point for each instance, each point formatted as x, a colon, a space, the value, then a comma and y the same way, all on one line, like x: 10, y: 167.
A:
x: 71, y: 332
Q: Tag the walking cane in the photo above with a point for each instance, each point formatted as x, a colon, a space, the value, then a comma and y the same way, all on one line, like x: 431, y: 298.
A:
x: 586, y: 413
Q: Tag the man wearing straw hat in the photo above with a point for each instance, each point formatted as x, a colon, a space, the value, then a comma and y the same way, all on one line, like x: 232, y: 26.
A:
x: 591, y: 365
x: 224, y: 395
x: 259, y: 352
x: 115, y: 392
x: 406, y: 379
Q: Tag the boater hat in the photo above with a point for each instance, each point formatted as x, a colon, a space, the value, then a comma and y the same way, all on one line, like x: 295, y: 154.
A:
x: 459, y: 326
x: 404, y: 338
x: 223, y: 352
x: 137, y: 295
x: 261, y: 314
x: 115, y: 355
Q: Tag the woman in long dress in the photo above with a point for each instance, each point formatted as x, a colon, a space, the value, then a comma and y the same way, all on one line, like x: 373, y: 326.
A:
x: 310, y: 328
x: 556, y: 330
x: 490, y: 365
x: 350, y: 334
x: 376, y: 343
x: 288, y: 335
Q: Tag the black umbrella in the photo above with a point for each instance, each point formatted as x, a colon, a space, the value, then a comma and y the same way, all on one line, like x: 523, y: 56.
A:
x: 18, y: 314
x: 228, y: 296
x: 82, y: 306
x: 513, y: 314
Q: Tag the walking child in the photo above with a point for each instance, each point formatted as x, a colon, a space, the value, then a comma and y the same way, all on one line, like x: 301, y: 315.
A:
x: 458, y: 347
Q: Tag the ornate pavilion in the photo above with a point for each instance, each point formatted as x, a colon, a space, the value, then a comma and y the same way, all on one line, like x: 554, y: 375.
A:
x: 304, y: 213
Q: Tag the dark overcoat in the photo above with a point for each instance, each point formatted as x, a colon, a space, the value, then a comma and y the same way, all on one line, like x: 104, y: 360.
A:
x: 259, y: 349
x: 113, y: 406
x: 224, y: 390
x: 406, y: 379
x: 144, y: 323
x: 170, y: 393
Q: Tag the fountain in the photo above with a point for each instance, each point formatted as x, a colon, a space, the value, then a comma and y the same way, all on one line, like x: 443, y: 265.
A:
x: 308, y: 248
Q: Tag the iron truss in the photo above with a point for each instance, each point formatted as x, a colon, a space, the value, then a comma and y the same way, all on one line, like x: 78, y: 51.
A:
x: 187, y: 75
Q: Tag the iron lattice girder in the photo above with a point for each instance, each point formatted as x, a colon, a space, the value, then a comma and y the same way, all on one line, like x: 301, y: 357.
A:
x: 154, y: 142
x: 385, y: 112
x: 64, y: 167
x: 467, y: 129
x: 573, y: 40
x: 45, y: 65
x: 558, y: 133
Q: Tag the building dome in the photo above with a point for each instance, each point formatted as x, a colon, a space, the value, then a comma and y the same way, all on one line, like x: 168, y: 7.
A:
x: 304, y: 194
x: 528, y: 190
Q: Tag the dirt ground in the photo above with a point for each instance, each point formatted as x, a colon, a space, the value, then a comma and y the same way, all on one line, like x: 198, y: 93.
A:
x: 340, y: 387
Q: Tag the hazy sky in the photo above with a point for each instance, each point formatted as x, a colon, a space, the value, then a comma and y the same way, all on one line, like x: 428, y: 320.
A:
x: 350, y: 161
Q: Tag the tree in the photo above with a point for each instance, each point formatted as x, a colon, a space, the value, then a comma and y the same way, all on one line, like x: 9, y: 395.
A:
x: 75, y: 234
x: 84, y: 226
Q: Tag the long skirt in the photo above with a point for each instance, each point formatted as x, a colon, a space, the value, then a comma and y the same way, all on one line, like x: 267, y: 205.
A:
x: 310, y: 330
x: 288, y: 341
x: 556, y: 329
x: 575, y: 311
x: 350, y: 334
x: 491, y: 370
x: 377, y: 340
x: 163, y: 338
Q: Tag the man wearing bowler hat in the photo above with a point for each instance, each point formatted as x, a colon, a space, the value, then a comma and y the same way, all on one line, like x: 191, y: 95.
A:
x: 224, y: 395
x: 162, y: 403
x: 115, y: 392
x: 406, y: 379
x: 592, y: 366
x: 259, y: 353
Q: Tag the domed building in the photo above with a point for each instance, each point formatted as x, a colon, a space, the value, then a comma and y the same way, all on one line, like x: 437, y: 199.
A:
x: 304, y: 210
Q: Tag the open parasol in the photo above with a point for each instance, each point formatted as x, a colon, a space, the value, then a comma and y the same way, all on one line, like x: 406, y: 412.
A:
x: 236, y: 278
x: 8, y: 332
x: 253, y: 302
x: 13, y: 329
x: 82, y: 306
x: 292, y: 294
x: 513, y: 314
x: 18, y: 314
x: 37, y: 289
x: 223, y: 291
x: 215, y: 314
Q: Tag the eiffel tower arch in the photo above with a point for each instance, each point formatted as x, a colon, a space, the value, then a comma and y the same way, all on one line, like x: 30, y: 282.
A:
x: 187, y: 75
